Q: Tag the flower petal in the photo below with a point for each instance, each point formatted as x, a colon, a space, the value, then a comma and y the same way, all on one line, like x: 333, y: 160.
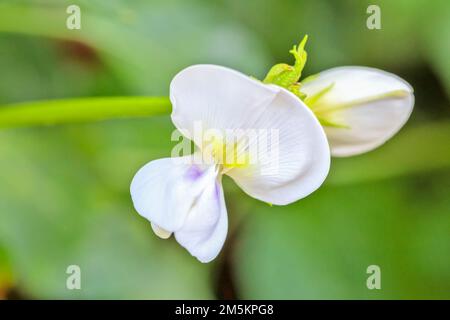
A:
x: 364, y: 106
x: 224, y: 99
x: 164, y: 190
x: 217, y: 97
x: 160, y: 232
x: 301, y: 162
x: 204, y: 231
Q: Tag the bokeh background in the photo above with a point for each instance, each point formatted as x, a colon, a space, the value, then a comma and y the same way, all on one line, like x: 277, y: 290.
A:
x: 64, y: 190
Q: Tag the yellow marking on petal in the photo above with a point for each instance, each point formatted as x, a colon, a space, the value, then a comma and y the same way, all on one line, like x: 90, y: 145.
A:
x: 396, y: 94
x: 228, y: 155
x: 330, y: 123
x: 326, y: 111
x: 313, y: 99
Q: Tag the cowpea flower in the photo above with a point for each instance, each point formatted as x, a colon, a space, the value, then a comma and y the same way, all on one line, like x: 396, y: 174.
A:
x: 184, y: 196
x: 360, y: 108
x: 350, y: 110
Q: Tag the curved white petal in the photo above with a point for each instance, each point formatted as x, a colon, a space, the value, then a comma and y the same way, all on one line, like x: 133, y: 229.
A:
x: 370, y: 104
x: 204, y: 231
x: 217, y: 98
x: 183, y: 197
x: 223, y: 99
x: 164, y: 190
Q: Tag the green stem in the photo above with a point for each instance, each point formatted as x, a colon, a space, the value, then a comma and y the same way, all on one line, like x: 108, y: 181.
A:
x: 64, y: 111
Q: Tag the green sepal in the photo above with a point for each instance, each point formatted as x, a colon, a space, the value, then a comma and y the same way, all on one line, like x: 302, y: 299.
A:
x: 295, y: 89
x: 287, y: 76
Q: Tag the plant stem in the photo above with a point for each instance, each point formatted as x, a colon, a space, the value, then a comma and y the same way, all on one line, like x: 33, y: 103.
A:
x: 53, y: 112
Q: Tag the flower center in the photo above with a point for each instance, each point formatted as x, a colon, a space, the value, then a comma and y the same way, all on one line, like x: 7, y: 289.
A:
x: 227, y: 155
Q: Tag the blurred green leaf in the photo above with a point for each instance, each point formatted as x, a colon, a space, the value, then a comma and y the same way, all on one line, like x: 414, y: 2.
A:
x: 6, y: 273
x: 422, y: 148
x: 64, y: 195
x: 80, y: 110
x: 137, y: 41
x: 436, y: 40
x: 74, y: 207
x: 321, y: 246
x: 56, y: 210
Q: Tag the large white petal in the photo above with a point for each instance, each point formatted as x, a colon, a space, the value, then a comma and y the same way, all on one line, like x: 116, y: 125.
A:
x: 205, y: 229
x: 221, y: 99
x: 217, y: 97
x: 382, y: 103
x: 164, y: 190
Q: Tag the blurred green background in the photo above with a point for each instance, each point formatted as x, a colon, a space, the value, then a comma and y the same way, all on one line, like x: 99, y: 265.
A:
x: 64, y: 190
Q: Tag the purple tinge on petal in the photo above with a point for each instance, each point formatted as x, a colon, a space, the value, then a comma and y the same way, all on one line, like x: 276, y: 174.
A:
x: 217, y: 192
x: 194, y: 172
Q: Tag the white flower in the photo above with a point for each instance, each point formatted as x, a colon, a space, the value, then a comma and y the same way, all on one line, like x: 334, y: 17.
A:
x: 360, y: 108
x: 186, y: 197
